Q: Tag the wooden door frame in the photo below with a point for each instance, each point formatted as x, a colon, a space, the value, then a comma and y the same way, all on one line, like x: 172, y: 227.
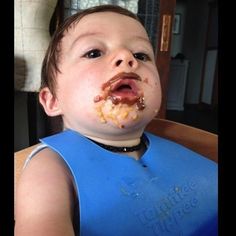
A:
x: 167, y: 8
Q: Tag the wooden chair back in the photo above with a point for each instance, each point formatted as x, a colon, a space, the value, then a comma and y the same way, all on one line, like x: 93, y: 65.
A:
x: 198, y: 140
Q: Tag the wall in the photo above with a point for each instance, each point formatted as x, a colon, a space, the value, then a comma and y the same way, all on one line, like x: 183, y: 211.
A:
x: 191, y: 43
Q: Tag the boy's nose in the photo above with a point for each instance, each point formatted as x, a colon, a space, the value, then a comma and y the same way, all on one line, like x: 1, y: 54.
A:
x: 125, y: 58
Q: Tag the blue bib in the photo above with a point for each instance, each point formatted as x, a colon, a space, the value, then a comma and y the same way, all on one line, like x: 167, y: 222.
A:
x: 169, y: 191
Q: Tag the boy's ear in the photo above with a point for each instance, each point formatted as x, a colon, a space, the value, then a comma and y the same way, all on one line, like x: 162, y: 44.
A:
x: 49, y: 102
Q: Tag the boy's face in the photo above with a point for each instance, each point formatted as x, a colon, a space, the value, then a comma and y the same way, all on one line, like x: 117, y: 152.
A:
x: 109, y: 83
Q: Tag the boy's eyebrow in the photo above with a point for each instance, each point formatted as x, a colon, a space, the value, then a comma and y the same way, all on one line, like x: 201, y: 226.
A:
x: 143, y: 39
x: 84, y: 35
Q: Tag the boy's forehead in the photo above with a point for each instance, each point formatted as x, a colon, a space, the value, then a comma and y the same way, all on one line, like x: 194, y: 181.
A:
x: 105, y: 22
x: 108, y: 16
x: 107, y: 26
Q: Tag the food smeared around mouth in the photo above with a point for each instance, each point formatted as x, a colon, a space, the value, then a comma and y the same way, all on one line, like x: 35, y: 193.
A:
x: 122, y: 88
x: 120, y: 99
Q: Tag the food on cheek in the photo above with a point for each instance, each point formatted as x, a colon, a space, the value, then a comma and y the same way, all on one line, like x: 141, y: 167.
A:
x: 145, y: 80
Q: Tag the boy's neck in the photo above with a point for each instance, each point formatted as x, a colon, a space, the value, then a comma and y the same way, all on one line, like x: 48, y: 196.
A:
x: 116, y: 143
x: 121, y: 143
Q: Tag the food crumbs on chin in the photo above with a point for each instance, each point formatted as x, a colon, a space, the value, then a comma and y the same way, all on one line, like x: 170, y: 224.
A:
x: 124, y: 115
x: 155, y: 111
x: 97, y: 98
x: 103, y: 120
x: 110, y: 108
x: 116, y: 113
x: 135, y: 117
x: 101, y: 116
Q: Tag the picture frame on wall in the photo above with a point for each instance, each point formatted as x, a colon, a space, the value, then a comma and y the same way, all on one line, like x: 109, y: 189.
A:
x: 176, y: 23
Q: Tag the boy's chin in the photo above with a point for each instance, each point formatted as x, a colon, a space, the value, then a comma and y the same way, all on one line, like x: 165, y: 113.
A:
x: 120, y: 116
x: 122, y: 126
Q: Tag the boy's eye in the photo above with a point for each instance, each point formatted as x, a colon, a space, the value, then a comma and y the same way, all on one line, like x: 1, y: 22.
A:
x: 93, y: 53
x: 141, y: 56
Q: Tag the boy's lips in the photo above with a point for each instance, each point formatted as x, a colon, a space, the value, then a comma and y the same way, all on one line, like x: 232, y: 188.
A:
x: 122, y: 88
x: 120, y: 78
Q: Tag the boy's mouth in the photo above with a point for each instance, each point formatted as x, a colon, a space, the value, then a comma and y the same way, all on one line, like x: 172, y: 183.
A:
x: 124, y: 91
x: 122, y: 88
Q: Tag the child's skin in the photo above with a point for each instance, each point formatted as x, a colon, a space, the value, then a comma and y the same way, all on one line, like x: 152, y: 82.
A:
x: 108, y: 90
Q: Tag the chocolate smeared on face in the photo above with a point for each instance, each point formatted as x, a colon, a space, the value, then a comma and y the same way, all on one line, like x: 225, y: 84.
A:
x: 97, y: 98
x: 122, y: 88
x: 141, y: 104
x: 145, y: 80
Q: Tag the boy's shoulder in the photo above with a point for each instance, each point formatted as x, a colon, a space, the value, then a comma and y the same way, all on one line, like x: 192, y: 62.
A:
x: 43, y: 188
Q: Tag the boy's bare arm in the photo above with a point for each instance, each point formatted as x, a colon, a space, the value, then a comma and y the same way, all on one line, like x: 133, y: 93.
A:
x: 44, y: 198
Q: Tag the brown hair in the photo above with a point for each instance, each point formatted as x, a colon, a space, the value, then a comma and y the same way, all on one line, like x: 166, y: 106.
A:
x: 51, y: 59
